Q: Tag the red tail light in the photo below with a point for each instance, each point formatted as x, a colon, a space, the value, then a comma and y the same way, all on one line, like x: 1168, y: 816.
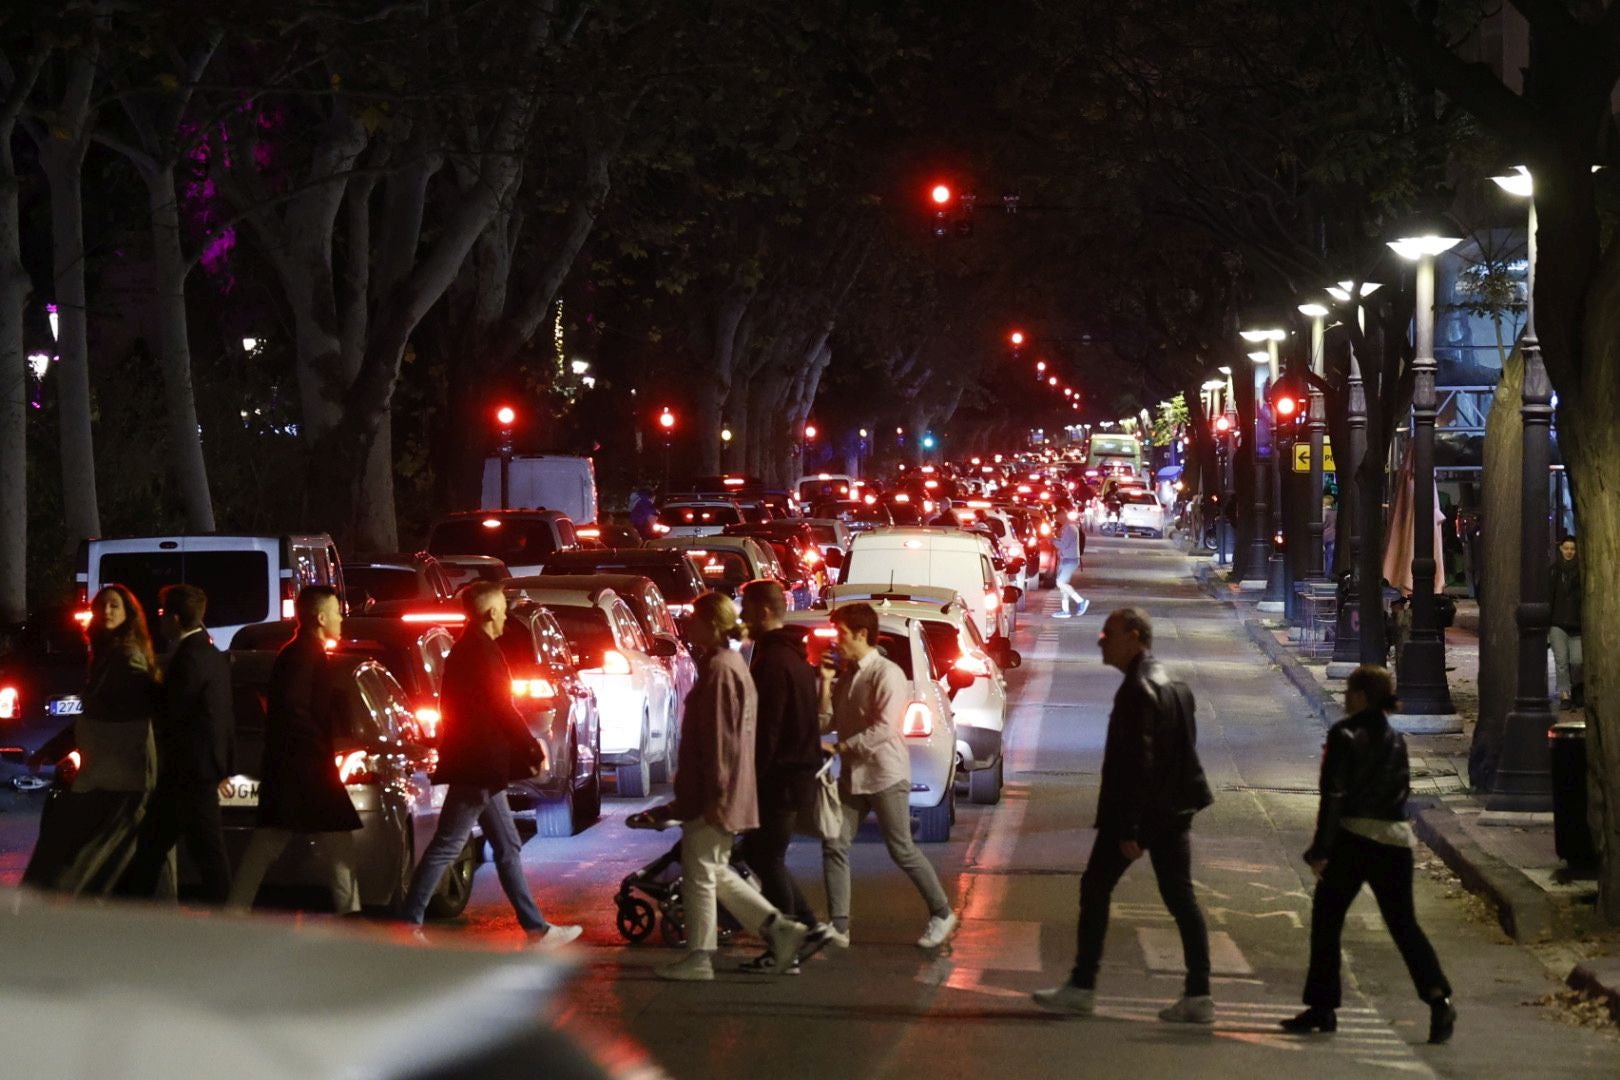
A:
x: 423, y: 617
x: 827, y: 632
x: 919, y: 721
x: 83, y: 617
x: 10, y: 703
x: 992, y: 600
x: 428, y: 719
x: 354, y: 767
x: 972, y: 664
x: 289, y: 599
x: 538, y: 689
x: 614, y: 662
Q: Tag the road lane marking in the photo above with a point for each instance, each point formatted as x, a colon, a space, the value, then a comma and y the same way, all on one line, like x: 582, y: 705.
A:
x: 1161, y: 947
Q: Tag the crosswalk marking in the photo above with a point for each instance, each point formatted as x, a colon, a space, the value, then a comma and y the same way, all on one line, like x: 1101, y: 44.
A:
x: 1161, y: 946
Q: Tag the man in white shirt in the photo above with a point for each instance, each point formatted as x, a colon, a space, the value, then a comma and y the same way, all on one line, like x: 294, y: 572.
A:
x: 863, y: 704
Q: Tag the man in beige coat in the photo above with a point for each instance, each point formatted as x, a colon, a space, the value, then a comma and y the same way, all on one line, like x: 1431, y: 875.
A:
x: 715, y: 799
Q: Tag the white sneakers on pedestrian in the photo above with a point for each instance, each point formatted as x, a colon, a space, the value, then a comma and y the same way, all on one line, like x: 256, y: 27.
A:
x: 695, y: 966
x: 1067, y: 998
x: 554, y: 936
x: 784, y: 936
x: 939, y: 931
x: 1190, y: 1010
x: 836, y: 937
x: 1061, y: 615
x: 1085, y: 605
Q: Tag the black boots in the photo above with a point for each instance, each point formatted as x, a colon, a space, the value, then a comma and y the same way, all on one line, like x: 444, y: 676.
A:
x: 1442, y: 1020
x: 1311, y: 1020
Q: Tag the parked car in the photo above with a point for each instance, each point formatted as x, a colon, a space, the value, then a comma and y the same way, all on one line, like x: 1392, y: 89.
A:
x: 519, y: 538
x: 42, y: 671
x: 248, y: 579
x: 676, y: 573
x: 386, y: 584
x: 561, y: 712
x: 929, y: 726
x: 635, y: 694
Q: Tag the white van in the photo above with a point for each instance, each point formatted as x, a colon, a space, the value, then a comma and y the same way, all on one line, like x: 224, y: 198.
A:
x: 549, y: 481
x: 944, y: 558
x: 248, y: 579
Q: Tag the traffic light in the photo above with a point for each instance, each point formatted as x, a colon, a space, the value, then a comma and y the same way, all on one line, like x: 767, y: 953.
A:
x: 1288, y: 399
x: 506, y: 416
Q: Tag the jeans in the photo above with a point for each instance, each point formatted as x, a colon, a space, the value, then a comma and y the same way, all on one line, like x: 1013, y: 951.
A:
x: 1068, y: 593
x: 893, y: 807
x: 182, y: 810
x: 1171, y: 855
x: 1388, y: 869
x: 335, y: 849
x: 1567, y: 659
x: 465, y: 806
x: 765, y: 851
x: 707, y: 876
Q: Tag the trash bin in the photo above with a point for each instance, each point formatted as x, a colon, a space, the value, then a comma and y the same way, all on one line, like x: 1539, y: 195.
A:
x: 1572, y: 835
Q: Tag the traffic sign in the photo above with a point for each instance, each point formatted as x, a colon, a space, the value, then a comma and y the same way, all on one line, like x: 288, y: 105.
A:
x: 1302, y: 456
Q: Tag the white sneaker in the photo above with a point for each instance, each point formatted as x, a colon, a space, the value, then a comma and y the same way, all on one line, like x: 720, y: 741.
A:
x: 695, y: 966
x: 1190, y: 1010
x: 1067, y: 998
x: 784, y: 936
x: 1061, y: 615
x: 555, y: 936
x: 836, y: 937
x: 938, y: 932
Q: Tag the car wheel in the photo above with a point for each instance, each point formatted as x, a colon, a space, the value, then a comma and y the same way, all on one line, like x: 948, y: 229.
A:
x: 984, y: 786
x: 456, y: 889
x: 934, y: 822
x: 554, y: 816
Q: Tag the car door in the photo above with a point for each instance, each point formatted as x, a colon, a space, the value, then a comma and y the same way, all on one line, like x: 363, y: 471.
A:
x: 401, y: 753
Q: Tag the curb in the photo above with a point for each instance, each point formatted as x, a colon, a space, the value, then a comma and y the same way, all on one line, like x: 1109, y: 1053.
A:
x: 1320, y: 701
x: 1523, y: 910
x: 1599, y: 978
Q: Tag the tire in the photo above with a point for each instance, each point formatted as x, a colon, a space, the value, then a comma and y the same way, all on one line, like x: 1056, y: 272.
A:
x: 554, y: 816
x: 934, y: 822
x: 635, y: 919
x: 456, y: 889
x: 984, y: 786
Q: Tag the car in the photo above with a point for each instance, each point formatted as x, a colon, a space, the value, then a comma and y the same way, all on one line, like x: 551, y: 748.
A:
x: 608, y: 534
x: 635, y: 694
x: 929, y: 726
x: 519, y: 538
x: 1035, y: 528
x: 385, y: 584
x: 677, y: 574
x: 699, y: 517
x: 463, y: 570
x: 821, y: 487
x: 947, y: 558
x: 1140, y: 512
x: 42, y: 669
x: 796, y: 549
x: 728, y: 562
x: 561, y: 712
x: 831, y: 536
x: 972, y: 673
x: 382, y: 760
x: 859, y: 515
x: 905, y: 509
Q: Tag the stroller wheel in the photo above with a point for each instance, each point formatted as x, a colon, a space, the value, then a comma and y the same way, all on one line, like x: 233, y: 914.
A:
x: 635, y: 918
x: 673, y: 924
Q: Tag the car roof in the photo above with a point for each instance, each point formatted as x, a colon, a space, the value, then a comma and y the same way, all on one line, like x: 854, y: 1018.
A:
x: 891, y: 620
x: 929, y: 596
x: 626, y: 585
x: 539, y: 589
x: 933, y: 536
x: 706, y: 543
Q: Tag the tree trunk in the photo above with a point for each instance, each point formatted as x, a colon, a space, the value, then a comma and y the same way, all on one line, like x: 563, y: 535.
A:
x: 1499, y: 578
x: 14, y: 287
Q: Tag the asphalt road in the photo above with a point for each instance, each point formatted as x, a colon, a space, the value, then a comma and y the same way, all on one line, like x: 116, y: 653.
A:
x: 886, y: 1009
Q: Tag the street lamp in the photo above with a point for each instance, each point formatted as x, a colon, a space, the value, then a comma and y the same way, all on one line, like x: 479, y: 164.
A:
x: 1263, y: 558
x: 505, y: 417
x: 1352, y: 646
x: 1523, y: 779
x: 1425, y: 697
x: 1316, y: 425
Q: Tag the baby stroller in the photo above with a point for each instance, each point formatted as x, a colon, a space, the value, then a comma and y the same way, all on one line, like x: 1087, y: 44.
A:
x: 659, y: 901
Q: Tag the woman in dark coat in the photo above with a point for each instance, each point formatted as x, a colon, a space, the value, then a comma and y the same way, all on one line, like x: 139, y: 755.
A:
x: 88, y: 832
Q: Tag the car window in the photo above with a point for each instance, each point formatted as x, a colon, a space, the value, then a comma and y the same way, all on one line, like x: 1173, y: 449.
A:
x: 553, y: 645
x: 435, y: 646
x: 236, y: 581
x: 518, y: 644
x: 627, y: 628
x: 727, y: 569
x: 566, y: 535
x: 373, y: 721
x: 1140, y: 498
x: 383, y: 583
x: 988, y: 573
x: 677, y: 514
x: 587, y: 630
x: 944, y: 644
x: 658, y: 616
x: 973, y: 634
x: 896, y: 647
x: 515, y: 541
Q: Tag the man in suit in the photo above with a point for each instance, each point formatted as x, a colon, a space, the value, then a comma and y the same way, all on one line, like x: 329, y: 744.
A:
x: 194, y: 736
x: 300, y: 792
x: 485, y: 745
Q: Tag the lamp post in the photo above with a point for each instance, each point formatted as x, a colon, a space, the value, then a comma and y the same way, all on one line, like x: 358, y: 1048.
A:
x: 1316, y: 426
x: 1266, y: 558
x: 1425, y: 697
x: 505, y: 417
x: 1523, y: 779
x: 1350, y: 648
x: 666, y: 424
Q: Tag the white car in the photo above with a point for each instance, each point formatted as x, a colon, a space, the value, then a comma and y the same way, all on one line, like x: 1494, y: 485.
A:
x: 1140, y: 512
x: 929, y: 725
x: 971, y: 671
x: 947, y: 558
x: 699, y: 517
x: 635, y: 693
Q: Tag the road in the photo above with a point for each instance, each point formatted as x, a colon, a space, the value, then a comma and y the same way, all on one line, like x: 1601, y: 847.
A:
x: 886, y: 1009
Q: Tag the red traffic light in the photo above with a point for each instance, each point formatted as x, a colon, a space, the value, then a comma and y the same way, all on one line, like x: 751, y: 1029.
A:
x: 1286, y: 406
x: 809, y: 431
x: 666, y: 419
x: 1040, y: 365
x: 1222, y: 425
x: 941, y: 194
x: 1016, y: 337
x: 506, y: 416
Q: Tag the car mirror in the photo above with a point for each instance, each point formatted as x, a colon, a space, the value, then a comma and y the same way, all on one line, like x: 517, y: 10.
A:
x: 1011, y: 594
x: 958, y: 679
x: 663, y: 646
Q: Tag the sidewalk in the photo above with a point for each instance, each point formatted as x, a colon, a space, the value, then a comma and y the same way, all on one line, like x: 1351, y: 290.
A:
x: 1511, y: 863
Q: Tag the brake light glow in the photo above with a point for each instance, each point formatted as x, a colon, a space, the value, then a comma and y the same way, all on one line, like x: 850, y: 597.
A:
x: 1024, y: 489
x: 733, y: 481
x: 992, y: 600
x: 678, y: 610
x: 491, y: 523
x: 1046, y: 530
x: 534, y: 688
x: 428, y: 719
x: 353, y: 767
x: 659, y: 528
x: 420, y: 617
x: 329, y: 644
x: 289, y: 609
x: 979, y: 504
x: 810, y: 556
x: 918, y: 722
x: 10, y: 703
x: 930, y: 484
x: 75, y: 759
x: 869, y: 499
x: 973, y: 664
x: 827, y: 632
x: 589, y: 532
x: 83, y: 617
x: 902, y: 497
x: 615, y: 662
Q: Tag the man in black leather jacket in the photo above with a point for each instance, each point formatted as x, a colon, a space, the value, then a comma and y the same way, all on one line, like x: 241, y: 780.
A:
x: 1152, y: 785
x: 1362, y: 836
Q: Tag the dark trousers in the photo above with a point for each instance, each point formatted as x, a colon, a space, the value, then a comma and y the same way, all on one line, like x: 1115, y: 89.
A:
x: 182, y: 810
x: 1388, y: 869
x: 1171, y: 855
x: 765, y: 851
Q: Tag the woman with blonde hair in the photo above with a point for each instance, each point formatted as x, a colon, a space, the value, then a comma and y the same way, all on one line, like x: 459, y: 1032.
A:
x: 88, y: 833
x: 716, y: 798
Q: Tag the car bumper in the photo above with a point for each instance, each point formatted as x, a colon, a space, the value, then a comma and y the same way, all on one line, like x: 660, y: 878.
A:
x: 978, y: 748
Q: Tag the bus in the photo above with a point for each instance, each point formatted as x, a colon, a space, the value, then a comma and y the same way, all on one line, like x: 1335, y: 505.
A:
x: 1110, y: 454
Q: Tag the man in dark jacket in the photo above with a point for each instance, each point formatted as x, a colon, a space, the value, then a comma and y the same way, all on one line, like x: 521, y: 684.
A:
x: 300, y: 792
x: 787, y: 753
x: 194, y: 734
x: 1152, y: 785
x: 484, y: 746
x: 1564, y: 633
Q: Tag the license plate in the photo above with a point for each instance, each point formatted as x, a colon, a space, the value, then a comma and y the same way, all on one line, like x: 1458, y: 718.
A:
x: 71, y: 705
x: 240, y: 791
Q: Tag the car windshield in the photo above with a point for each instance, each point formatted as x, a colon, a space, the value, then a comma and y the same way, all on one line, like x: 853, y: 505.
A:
x: 677, y: 514
x: 672, y: 579
x: 514, y: 541
x: 1140, y: 498
x: 236, y: 582
x: 382, y: 582
x: 587, y: 632
x: 725, y: 568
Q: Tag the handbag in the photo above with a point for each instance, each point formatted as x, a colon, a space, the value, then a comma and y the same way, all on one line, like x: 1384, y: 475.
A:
x: 822, y: 814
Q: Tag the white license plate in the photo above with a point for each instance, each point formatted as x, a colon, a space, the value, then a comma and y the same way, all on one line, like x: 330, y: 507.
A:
x: 71, y: 705
x: 240, y: 791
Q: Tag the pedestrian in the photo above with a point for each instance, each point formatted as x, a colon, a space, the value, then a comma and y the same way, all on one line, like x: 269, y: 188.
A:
x: 1152, y: 786
x: 195, y: 732
x: 1362, y: 836
x: 89, y: 833
x: 716, y: 798
x: 1564, y: 633
x: 1071, y: 547
x: 643, y: 513
x: 787, y: 752
x: 300, y: 792
x: 864, y: 696
x: 484, y: 745
x: 1330, y: 531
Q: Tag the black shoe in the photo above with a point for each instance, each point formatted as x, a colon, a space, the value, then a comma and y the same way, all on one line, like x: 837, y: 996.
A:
x: 1442, y: 1020
x: 765, y: 964
x: 819, y: 937
x: 1311, y: 1020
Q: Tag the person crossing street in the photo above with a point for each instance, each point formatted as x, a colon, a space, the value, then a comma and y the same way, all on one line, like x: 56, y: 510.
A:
x: 1071, y: 546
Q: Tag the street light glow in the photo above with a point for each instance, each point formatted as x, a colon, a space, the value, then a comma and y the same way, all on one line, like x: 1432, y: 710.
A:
x: 1040, y: 365
x: 1314, y: 310
x: 1518, y: 182
x: 580, y: 367
x: 1052, y: 381
x: 1224, y: 370
x: 1266, y: 334
x: 1341, y: 291
x: 666, y: 419
x: 1260, y: 357
x: 249, y: 344
x: 863, y: 433
x: 725, y: 434
x: 809, y: 431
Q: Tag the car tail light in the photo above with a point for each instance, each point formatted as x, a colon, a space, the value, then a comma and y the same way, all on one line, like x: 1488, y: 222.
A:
x: 659, y: 528
x: 289, y: 599
x: 588, y: 532
x: 329, y: 644
x: 902, y: 498
x: 420, y: 617
x: 827, y: 632
x: 83, y: 617
x: 811, y: 556
x: 992, y: 600
x: 615, y: 662
x: 354, y: 767
x: 919, y: 721
x: 428, y: 718
x: 972, y: 664
x: 536, y: 689
x: 10, y: 703
x: 1046, y: 530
